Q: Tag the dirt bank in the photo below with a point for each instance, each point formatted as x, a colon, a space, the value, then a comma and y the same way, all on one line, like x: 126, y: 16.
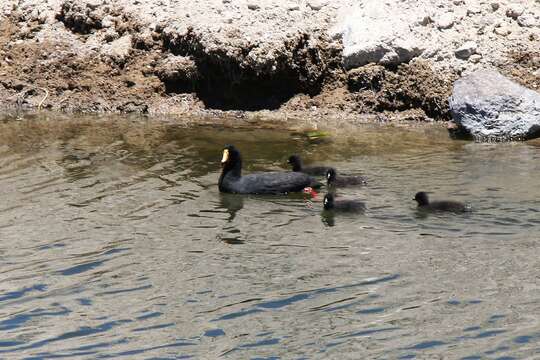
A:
x: 293, y: 58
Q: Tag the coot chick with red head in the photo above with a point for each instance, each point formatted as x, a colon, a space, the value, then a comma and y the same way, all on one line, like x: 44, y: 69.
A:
x: 442, y: 205
x: 298, y: 166
x: 350, y: 206
x: 333, y: 179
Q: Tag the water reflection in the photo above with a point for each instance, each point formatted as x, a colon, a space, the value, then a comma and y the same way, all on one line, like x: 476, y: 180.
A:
x: 232, y: 203
x: 328, y: 218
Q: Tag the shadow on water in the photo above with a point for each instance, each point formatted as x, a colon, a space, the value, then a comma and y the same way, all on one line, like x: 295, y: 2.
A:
x: 115, y: 242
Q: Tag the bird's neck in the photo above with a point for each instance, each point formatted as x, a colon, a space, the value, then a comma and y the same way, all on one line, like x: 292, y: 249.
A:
x: 423, y: 202
x: 234, y: 170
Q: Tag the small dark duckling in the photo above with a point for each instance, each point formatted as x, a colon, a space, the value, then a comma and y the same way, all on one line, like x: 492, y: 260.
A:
x: 334, y: 180
x: 232, y: 180
x: 298, y: 166
x: 444, y: 205
x: 342, y: 205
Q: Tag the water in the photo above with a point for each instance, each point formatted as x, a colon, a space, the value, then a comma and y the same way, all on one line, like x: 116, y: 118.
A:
x: 116, y: 243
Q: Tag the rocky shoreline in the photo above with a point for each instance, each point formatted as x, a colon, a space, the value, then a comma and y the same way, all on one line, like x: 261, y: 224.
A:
x: 393, y: 60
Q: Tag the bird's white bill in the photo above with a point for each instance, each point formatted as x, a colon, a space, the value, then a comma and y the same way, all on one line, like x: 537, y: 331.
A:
x: 225, y: 156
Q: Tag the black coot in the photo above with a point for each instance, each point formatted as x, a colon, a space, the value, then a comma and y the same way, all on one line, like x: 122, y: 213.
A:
x: 333, y: 179
x: 330, y: 203
x: 444, y: 205
x: 232, y: 181
x: 298, y: 166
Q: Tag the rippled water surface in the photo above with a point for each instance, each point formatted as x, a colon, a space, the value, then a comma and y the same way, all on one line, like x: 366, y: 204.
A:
x: 115, y: 242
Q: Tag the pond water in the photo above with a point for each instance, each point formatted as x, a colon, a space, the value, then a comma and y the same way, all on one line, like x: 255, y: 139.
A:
x: 115, y: 242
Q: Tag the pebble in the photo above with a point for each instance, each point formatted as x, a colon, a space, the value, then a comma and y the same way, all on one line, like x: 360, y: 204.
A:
x: 253, y: 6
x: 316, y: 4
x: 107, y: 21
x: 446, y: 21
x: 527, y: 20
x: 292, y: 7
x: 514, y: 11
x: 502, y: 30
x: 228, y: 17
x: 466, y: 50
x: 475, y: 58
x: 473, y: 10
x: 425, y: 20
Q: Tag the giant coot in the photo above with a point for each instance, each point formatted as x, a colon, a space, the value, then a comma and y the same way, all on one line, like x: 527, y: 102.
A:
x: 232, y: 181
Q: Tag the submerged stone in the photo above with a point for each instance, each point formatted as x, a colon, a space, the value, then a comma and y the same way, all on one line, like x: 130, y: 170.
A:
x: 489, y: 106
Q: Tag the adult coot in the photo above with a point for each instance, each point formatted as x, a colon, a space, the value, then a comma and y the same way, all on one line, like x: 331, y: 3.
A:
x: 333, y: 179
x: 232, y: 181
x: 445, y: 205
x: 298, y: 166
x: 330, y: 203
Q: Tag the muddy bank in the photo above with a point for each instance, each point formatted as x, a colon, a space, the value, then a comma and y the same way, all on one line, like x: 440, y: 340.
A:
x: 271, y: 59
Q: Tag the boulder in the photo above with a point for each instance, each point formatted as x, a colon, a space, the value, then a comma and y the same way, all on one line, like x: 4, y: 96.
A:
x: 489, y: 106
x: 370, y: 35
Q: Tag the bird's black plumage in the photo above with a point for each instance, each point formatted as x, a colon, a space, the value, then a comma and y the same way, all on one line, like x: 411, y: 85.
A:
x: 333, y: 179
x: 232, y: 181
x: 330, y: 203
x: 298, y: 166
x: 444, y: 205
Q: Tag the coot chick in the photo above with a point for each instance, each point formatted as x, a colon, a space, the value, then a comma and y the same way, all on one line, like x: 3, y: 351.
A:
x: 444, y: 205
x: 333, y: 179
x: 232, y: 181
x: 298, y: 166
x: 342, y: 205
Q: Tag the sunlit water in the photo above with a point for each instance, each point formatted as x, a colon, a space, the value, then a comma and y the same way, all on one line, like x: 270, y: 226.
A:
x: 115, y: 242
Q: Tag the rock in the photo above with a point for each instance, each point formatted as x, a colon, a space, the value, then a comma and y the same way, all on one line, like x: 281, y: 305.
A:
x: 119, y: 49
x: 253, y: 5
x: 527, y: 20
x: 446, y: 21
x: 107, y: 21
x: 425, y: 20
x: 473, y: 10
x: 292, y: 7
x: 514, y: 11
x: 110, y: 35
x: 466, y: 50
x: 489, y: 106
x: 316, y: 4
x: 177, y: 70
x: 502, y: 30
x: 370, y: 36
x: 495, y: 6
x: 228, y: 17
x: 475, y: 59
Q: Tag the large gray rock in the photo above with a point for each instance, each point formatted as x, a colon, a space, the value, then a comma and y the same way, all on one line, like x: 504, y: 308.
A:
x: 489, y: 106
